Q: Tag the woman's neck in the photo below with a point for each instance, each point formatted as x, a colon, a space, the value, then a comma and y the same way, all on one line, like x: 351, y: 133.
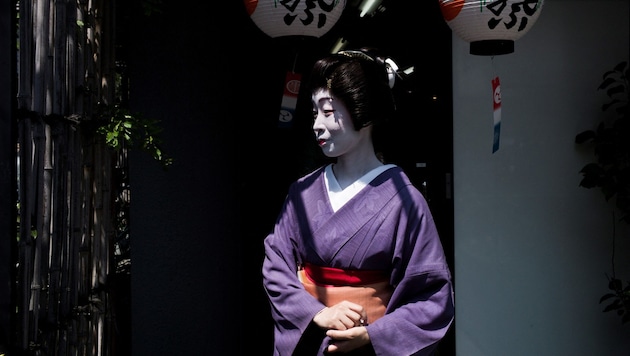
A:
x: 349, y: 169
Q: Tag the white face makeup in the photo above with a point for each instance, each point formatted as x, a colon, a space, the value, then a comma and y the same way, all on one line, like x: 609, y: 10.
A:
x: 332, y: 125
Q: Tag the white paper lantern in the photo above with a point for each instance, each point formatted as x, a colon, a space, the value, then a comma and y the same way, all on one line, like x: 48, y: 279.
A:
x: 491, y: 26
x: 295, y: 17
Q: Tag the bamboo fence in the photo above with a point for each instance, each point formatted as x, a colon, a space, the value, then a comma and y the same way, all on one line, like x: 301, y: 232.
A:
x: 72, y: 188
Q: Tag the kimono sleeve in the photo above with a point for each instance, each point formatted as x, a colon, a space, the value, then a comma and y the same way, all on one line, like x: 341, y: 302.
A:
x: 292, y: 307
x: 421, y: 309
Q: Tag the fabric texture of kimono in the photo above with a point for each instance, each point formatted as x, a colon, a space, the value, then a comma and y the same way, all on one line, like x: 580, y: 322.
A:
x: 386, y: 226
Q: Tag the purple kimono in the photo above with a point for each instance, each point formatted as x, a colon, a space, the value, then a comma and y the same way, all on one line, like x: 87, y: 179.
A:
x: 386, y: 226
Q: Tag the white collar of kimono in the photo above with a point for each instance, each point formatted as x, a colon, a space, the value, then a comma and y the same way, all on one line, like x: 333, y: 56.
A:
x: 337, y: 196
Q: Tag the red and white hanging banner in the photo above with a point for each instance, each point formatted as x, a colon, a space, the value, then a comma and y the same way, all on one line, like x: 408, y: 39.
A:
x: 289, y: 99
x: 496, y: 104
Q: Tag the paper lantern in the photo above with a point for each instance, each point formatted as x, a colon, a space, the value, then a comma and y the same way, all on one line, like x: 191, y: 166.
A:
x: 491, y: 26
x: 295, y: 17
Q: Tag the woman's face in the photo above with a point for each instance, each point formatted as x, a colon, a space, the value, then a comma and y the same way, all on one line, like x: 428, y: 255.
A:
x: 332, y: 125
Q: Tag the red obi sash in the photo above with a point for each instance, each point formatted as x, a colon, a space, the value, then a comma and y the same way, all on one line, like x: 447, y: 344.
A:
x: 330, y: 276
x: 329, y: 285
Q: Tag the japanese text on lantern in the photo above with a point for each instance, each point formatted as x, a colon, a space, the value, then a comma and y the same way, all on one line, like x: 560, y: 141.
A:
x: 311, y: 7
x: 528, y: 7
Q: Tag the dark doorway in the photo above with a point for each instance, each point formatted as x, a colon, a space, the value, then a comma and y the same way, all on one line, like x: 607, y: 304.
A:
x: 415, y: 35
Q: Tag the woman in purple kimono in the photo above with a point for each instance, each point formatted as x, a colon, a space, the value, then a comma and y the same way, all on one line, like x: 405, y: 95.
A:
x: 354, y: 264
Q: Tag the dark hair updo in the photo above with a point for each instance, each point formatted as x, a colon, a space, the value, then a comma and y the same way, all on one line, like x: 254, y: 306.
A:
x: 360, y: 80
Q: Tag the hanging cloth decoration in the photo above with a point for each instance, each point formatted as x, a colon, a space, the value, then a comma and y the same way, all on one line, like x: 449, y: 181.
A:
x: 491, y: 26
x: 496, y: 107
x: 288, y: 104
x: 279, y: 18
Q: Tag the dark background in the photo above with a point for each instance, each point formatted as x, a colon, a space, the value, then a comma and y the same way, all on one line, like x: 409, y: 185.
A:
x: 215, y: 80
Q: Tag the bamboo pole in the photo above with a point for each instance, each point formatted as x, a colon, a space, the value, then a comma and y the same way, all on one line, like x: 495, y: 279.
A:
x: 38, y: 187
x: 66, y: 179
x: 26, y: 240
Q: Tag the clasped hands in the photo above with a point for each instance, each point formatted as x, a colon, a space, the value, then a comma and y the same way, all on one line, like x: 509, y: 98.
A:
x: 345, y: 324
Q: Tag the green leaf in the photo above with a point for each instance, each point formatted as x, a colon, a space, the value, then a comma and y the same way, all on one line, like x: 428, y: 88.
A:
x: 618, y: 89
x: 607, y: 81
x: 605, y: 297
x: 614, y: 284
x: 612, y: 306
x: 608, y: 105
x: 588, y: 135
